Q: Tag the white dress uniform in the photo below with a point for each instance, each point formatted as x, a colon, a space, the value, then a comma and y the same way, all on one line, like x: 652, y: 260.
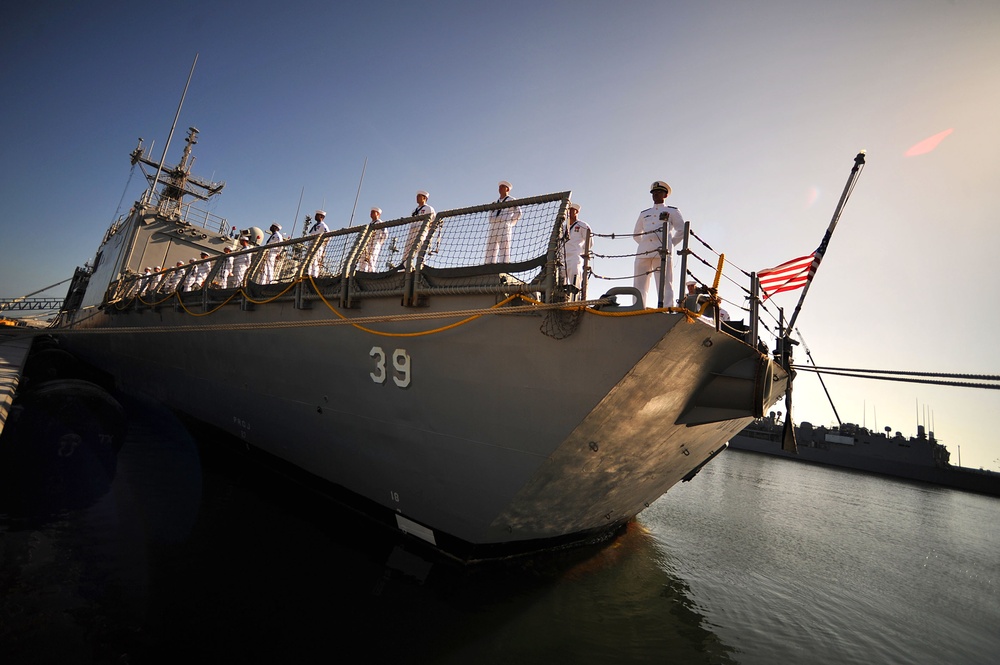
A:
x: 414, y: 232
x: 225, y: 272
x: 647, y: 261
x: 369, y: 260
x: 575, y: 248
x: 318, y: 227
x: 157, y: 278
x: 241, y: 263
x: 144, y: 281
x: 501, y: 229
x: 173, y: 279
x: 267, y: 274
x: 192, y: 274
x: 201, y: 272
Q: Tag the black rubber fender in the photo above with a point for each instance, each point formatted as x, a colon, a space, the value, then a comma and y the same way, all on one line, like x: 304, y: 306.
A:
x: 60, y: 446
x: 49, y: 364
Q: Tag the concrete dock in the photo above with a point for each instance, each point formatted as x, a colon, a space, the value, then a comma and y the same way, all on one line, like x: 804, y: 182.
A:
x: 14, y: 348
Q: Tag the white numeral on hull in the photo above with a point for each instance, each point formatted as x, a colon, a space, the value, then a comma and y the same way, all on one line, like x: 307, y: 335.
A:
x: 400, y: 363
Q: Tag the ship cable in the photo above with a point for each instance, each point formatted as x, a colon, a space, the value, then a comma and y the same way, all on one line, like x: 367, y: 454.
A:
x: 986, y: 381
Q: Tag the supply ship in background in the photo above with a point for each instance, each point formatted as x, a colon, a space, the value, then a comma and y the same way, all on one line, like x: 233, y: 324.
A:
x: 482, y: 408
x: 851, y: 446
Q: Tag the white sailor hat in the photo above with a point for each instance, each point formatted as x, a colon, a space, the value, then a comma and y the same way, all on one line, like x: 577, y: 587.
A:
x: 504, y: 183
x: 276, y: 226
x: 659, y: 184
x: 574, y: 206
x: 321, y: 212
x: 421, y: 192
x: 159, y: 268
x: 148, y: 269
x: 378, y: 210
x: 204, y: 253
x: 691, y: 283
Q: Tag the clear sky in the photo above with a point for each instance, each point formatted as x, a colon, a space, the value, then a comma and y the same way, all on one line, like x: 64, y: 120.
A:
x: 752, y: 111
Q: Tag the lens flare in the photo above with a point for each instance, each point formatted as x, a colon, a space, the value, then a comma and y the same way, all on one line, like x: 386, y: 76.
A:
x: 811, y: 195
x: 927, y: 144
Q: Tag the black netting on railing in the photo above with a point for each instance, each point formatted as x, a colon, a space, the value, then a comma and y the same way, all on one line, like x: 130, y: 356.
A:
x: 331, y: 257
x: 508, y: 233
x: 389, y: 246
x: 489, y: 247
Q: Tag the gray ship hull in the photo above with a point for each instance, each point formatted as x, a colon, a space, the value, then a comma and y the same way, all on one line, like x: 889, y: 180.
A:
x: 501, y: 435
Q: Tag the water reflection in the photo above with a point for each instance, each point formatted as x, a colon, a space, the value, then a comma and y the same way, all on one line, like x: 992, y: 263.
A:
x: 197, y: 551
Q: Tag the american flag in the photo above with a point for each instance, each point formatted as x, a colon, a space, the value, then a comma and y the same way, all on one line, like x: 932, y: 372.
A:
x: 789, y: 276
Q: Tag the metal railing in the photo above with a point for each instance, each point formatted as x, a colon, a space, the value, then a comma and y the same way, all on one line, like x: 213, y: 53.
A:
x: 189, y: 214
x: 412, y: 257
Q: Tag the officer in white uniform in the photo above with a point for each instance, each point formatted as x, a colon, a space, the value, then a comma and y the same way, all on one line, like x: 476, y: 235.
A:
x: 318, y: 227
x: 649, y: 236
x: 501, y: 227
x: 267, y: 272
x: 414, y: 232
x: 241, y: 262
x: 575, y: 247
x: 370, y: 256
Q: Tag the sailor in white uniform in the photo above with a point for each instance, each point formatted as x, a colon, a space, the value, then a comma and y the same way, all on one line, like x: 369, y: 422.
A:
x: 174, y: 278
x: 575, y: 247
x: 370, y: 256
x: 267, y: 271
x: 226, y: 270
x: 413, y: 234
x: 157, y: 278
x: 145, y: 280
x: 241, y: 263
x: 201, y: 271
x: 649, y: 236
x: 192, y: 274
x: 502, y: 223
x: 318, y: 227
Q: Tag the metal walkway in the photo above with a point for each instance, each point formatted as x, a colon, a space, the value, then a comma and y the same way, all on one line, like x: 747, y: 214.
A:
x: 28, y: 304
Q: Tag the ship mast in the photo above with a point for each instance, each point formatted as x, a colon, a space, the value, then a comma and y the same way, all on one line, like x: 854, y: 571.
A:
x: 177, y: 181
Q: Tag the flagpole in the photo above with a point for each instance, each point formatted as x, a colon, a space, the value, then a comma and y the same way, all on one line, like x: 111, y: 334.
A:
x: 859, y: 163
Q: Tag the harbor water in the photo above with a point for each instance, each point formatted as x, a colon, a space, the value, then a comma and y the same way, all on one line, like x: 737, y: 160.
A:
x: 195, y: 551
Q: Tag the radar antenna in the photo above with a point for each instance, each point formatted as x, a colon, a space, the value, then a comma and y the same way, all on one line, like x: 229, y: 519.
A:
x: 177, y: 181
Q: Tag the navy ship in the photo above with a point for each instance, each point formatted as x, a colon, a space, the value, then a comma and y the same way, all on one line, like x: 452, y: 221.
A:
x: 921, y: 457
x: 486, y: 409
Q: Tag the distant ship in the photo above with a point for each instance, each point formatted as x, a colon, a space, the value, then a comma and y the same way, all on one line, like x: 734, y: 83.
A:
x: 480, y: 407
x: 851, y: 446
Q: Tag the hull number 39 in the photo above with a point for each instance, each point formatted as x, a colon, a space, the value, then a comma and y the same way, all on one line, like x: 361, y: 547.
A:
x: 400, y: 366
